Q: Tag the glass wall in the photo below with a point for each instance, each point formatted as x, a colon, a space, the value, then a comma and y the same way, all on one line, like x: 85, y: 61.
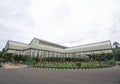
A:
x: 88, y: 59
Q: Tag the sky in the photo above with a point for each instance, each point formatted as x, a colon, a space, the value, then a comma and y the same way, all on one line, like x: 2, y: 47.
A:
x: 65, y: 22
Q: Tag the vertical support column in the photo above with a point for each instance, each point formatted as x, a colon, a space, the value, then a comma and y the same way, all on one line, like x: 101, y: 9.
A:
x: 48, y: 56
x: 57, y: 58
x: 68, y: 58
x: 86, y: 59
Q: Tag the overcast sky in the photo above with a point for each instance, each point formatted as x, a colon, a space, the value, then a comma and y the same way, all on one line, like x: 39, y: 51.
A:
x: 66, y: 22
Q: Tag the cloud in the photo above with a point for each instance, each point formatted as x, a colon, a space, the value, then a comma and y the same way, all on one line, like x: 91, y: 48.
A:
x: 14, y: 20
x: 66, y: 22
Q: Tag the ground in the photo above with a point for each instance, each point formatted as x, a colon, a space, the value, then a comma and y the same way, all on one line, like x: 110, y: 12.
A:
x: 38, y: 76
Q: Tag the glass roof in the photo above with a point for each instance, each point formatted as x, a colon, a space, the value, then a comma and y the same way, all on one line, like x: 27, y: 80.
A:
x: 105, y: 45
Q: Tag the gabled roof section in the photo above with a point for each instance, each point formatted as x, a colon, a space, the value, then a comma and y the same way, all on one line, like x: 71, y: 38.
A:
x: 49, y: 46
x: 17, y: 42
x: 48, y: 43
x: 16, y: 45
x: 92, y: 44
x: 90, y: 47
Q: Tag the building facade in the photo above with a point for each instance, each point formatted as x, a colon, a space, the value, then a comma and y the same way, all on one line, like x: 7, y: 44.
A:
x: 41, y: 48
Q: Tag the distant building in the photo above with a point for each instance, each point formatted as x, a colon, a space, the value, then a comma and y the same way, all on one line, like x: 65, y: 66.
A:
x: 43, y: 48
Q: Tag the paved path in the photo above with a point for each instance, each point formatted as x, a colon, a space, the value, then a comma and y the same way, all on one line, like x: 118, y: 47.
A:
x: 9, y: 66
x: 37, y: 76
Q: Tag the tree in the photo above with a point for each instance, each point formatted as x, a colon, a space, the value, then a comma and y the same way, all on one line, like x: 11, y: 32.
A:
x: 116, y: 44
x: 1, y: 54
x: 8, y: 57
x: 117, y: 53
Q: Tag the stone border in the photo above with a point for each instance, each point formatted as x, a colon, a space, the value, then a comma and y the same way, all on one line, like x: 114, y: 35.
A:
x: 72, y: 69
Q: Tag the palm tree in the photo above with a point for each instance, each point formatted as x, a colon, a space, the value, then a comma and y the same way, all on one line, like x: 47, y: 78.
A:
x: 116, y: 44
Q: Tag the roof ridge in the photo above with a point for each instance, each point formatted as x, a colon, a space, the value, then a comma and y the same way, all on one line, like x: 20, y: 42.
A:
x: 50, y: 42
x: 90, y: 44
x: 17, y: 42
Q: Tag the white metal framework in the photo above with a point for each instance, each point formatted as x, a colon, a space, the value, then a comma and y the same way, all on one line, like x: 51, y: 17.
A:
x: 39, y: 47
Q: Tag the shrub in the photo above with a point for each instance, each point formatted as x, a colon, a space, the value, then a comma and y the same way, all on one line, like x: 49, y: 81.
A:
x: 78, y: 64
x: 111, y: 61
x: 34, y: 62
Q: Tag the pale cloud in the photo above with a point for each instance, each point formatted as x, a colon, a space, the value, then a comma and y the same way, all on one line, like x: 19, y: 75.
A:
x: 66, y: 22
x: 15, y: 21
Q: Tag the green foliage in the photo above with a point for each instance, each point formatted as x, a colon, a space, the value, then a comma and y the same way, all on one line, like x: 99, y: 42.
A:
x: 34, y: 62
x: 116, y: 44
x: 78, y: 64
x: 29, y: 60
x: 12, y: 60
x: 117, y: 53
x: 111, y: 61
x: 1, y: 54
x: 60, y: 59
x: 7, y: 57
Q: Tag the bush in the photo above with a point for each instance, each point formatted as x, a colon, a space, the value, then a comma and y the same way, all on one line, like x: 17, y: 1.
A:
x: 34, y: 62
x: 111, y: 61
x: 78, y: 64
